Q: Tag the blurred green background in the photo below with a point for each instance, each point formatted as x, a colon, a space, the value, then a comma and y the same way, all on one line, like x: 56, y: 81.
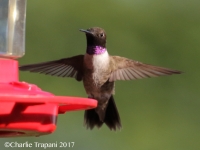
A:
x: 158, y: 113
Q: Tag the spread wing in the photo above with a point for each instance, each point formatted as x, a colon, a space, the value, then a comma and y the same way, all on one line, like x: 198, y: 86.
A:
x: 126, y: 69
x: 66, y: 67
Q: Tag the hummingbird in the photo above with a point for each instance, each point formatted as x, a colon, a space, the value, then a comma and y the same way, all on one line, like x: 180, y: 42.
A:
x: 98, y: 70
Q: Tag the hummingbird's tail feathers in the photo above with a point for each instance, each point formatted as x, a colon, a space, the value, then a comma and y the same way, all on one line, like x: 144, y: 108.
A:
x: 112, y: 118
x: 91, y: 119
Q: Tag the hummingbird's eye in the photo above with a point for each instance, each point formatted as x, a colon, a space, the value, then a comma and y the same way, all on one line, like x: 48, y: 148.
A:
x: 101, y: 34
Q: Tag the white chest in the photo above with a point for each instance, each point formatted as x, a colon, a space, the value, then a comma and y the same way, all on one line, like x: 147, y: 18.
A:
x: 97, y: 62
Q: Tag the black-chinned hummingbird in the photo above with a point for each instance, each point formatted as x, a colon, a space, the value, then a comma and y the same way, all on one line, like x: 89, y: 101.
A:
x: 99, y: 71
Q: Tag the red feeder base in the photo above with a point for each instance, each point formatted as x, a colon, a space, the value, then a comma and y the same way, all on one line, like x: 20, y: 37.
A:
x: 26, y: 110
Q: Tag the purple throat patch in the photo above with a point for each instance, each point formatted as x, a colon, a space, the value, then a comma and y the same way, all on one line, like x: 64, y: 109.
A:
x: 95, y: 50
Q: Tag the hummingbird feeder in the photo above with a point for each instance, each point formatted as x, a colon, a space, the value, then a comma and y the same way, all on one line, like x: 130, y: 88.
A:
x: 25, y: 110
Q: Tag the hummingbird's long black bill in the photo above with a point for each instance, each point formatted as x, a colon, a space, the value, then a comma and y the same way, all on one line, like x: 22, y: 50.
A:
x: 86, y: 31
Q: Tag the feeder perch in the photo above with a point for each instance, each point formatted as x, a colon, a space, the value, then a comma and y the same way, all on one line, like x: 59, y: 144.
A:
x: 25, y: 110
